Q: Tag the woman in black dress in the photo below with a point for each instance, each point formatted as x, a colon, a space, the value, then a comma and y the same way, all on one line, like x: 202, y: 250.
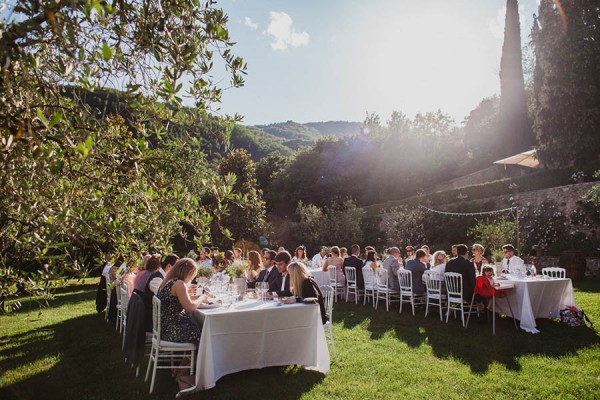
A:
x: 303, y: 286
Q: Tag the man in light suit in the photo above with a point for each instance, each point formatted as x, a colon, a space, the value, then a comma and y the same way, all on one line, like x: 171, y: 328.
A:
x: 511, y: 262
x: 392, y: 265
x: 270, y: 274
x: 463, y: 266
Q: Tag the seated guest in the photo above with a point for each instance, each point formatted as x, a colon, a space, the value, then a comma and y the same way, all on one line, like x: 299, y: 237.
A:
x: 255, y: 267
x: 282, y: 286
x: 229, y: 256
x: 484, y: 288
x: 392, y: 265
x: 173, y: 293
x: 203, y: 260
x: 303, y: 286
x: 371, y: 261
x: 417, y: 266
x: 357, y: 263
x: 453, y: 251
x: 270, y: 274
x: 318, y: 259
x: 478, y: 259
x: 152, y: 265
x: 343, y: 252
x: 512, y: 263
x: 428, y: 262
x: 463, y: 266
x: 338, y: 262
x: 300, y: 255
x: 439, y: 263
x: 237, y: 254
x: 151, y: 289
x: 130, y: 276
x: 409, y: 253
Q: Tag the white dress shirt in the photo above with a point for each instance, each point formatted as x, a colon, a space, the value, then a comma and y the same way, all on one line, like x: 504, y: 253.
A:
x: 516, y: 264
x: 284, y: 277
x: 155, y: 283
x: 318, y: 261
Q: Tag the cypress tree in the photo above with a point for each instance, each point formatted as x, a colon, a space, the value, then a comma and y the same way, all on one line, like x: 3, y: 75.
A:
x: 515, y: 130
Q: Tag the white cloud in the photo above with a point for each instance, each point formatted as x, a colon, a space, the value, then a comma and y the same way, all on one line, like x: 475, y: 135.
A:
x: 283, y: 33
x: 497, y: 23
x: 250, y: 24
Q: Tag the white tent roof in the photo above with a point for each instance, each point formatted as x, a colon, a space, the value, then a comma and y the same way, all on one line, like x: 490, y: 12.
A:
x: 526, y: 159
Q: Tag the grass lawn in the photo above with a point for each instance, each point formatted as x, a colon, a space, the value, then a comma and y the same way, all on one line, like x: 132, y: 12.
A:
x: 69, y: 352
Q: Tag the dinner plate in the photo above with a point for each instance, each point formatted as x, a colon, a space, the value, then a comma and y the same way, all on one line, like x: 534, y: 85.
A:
x: 310, y: 300
x: 207, y: 306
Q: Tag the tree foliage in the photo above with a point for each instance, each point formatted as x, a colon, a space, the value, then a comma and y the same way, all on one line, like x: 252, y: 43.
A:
x: 567, y: 82
x: 83, y: 186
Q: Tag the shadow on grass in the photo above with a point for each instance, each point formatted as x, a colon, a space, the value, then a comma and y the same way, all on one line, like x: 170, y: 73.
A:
x: 474, y: 346
x: 63, y: 295
x: 81, y: 358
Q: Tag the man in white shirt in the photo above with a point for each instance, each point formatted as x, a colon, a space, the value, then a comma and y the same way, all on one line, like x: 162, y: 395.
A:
x: 157, y: 278
x: 511, y: 262
x: 319, y: 259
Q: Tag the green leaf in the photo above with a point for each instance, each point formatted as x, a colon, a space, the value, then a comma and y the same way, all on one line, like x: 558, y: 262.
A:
x: 107, y: 51
x: 42, y: 118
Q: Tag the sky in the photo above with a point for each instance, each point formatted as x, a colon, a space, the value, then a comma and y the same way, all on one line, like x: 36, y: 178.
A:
x: 324, y: 60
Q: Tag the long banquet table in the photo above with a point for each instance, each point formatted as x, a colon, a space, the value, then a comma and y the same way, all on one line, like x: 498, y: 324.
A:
x: 533, y: 298
x: 321, y: 277
x: 254, y: 334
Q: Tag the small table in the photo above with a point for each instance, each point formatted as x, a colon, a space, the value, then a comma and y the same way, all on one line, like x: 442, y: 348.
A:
x: 534, y: 298
x: 253, y: 334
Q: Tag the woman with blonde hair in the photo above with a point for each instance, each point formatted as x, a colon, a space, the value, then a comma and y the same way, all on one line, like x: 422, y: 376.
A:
x: 478, y: 259
x: 255, y: 263
x: 175, y: 297
x: 303, y: 287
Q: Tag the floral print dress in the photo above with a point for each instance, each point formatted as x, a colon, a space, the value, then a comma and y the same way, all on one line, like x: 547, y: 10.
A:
x: 176, y: 325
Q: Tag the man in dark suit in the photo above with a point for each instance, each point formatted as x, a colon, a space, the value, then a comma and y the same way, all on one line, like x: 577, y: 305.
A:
x: 282, y: 285
x: 417, y: 267
x: 354, y: 261
x: 463, y: 266
x: 270, y: 274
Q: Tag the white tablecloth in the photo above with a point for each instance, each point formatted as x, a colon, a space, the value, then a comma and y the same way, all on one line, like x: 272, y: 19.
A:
x: 321, y: 277
x: 253, y: 334
x: 536, y: 298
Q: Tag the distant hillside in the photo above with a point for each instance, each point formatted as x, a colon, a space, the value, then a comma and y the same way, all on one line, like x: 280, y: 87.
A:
x: 258, y: 142
x: 336, y: 128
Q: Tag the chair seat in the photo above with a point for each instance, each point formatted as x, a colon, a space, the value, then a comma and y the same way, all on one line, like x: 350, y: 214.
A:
x: 437, y: 296
x: 166, y: 345
x: 390, y: 291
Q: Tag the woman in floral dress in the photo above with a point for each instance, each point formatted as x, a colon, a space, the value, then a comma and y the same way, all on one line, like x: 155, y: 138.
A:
x: 177, y: 304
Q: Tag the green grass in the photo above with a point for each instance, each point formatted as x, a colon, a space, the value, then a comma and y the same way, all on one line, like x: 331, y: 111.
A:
x: 69, y: 352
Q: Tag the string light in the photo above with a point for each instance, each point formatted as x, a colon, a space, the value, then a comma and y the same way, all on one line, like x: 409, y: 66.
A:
x: 469, y: 214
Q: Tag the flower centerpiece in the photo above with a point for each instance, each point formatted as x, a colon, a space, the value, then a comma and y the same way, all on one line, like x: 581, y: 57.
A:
x: 578, y: 176
x: 205, y: 272
x: 220, y: 262
x: 238, y: 268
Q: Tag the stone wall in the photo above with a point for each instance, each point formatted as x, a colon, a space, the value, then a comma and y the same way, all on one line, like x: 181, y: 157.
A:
x: 488, y: 174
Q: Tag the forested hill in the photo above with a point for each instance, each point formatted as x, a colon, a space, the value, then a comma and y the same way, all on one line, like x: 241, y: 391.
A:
x: 285, y: 137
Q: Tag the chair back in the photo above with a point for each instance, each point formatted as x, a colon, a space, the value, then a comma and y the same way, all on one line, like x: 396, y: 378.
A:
x: 454, y: 285
x: 369, y: 278
x: 381, y: 278
x: 119, y: 292
x: 332, y: 269
x: 405, y: 281
x: 328, y: 299
x: 433, y: 283
x: 350, y: 276
x: 554, y: 272
x: 123, y: 295
x: 156, y: 304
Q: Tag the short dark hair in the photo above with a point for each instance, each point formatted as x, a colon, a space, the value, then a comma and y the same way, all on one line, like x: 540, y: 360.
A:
x: 170, y: 259
x: 153, y: 263
x: 409, y: 248
x: 355, y: 248
x: 420, y: 253
x: 229, y: 255
x: 462, y: 249
x: 283, y: 256
x: 509, y: 247
x: 272, y: 254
